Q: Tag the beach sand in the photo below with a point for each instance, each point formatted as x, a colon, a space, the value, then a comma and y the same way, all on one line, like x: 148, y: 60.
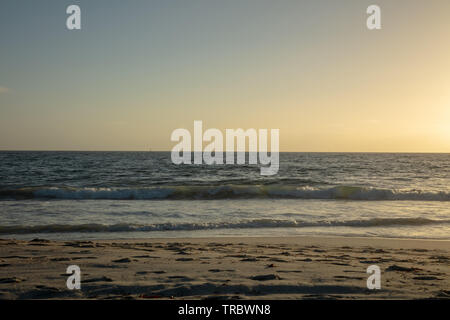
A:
x: 225, y: 268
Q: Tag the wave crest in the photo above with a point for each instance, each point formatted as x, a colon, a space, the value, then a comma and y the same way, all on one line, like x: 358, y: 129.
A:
x: 223, y: 192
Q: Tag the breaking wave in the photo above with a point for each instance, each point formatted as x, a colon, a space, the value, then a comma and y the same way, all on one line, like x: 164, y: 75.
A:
x: 222, y: 192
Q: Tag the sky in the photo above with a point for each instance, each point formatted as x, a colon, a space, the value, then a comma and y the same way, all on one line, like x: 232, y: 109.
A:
x: 137, y: 70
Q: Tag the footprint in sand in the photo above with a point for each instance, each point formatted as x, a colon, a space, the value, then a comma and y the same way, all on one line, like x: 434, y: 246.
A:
x: 124, y: 260
x: 60, y: 259
x: 305, y: 260
x: 184, y: 259
x: 39, y: 240
x: 102, y: 279
x: 402, y: 269
x: 266, y: 277
x: 109, y: 266
x: 426, y: 278
x: 11, y: 280
x: 348, y: 278
x: 219, y: 270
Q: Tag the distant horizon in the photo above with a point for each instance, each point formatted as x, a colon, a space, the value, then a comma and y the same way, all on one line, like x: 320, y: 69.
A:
x: 80, y: 150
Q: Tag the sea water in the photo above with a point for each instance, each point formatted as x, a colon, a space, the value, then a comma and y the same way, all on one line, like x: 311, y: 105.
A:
x: 112, y: 195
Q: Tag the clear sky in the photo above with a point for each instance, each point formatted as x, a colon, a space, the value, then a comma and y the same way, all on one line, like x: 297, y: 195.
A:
x: 137, y: 70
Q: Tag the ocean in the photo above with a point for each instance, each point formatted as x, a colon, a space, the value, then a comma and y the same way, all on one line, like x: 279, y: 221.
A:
x: 117, y: 195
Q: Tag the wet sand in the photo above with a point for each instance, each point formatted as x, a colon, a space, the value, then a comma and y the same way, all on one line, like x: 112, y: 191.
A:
x: 225, y: 268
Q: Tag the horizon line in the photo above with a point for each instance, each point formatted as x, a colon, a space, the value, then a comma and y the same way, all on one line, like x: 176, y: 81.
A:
x: 80, y: 150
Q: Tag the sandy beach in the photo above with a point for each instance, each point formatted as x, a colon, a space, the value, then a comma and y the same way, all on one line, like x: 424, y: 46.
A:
x: 225, y: 268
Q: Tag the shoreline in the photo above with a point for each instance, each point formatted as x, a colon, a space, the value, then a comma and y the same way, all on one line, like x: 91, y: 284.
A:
x: 292, y: 267
x: 307, y: 238
x: 287, y: 238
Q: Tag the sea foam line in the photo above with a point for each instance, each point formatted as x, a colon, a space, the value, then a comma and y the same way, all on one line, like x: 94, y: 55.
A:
x: 252, y: 224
